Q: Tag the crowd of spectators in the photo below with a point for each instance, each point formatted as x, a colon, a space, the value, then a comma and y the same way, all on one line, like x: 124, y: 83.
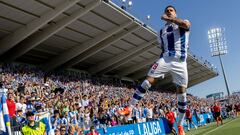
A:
x: 76, y: 103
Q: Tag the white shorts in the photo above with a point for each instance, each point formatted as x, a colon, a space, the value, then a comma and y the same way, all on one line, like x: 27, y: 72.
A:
x: 177, y: 68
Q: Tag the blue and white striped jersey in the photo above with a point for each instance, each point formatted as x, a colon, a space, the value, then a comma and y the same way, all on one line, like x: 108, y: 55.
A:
x: 174, y: 41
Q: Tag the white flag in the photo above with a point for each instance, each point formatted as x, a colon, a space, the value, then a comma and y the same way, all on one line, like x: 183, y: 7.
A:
x: 2, y: 124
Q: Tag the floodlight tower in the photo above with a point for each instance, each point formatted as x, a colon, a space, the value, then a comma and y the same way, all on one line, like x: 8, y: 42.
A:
x: 218, y: 47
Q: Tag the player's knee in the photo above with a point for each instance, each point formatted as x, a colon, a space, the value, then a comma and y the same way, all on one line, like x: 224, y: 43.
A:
x: 145, y: 86
x: 151, y: 80
x: 181, y: 89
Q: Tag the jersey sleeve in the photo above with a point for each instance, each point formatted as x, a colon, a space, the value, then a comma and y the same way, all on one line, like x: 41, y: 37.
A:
x: 159, y: 38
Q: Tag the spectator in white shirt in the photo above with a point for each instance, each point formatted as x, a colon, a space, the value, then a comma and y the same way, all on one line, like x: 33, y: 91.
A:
x: 21, y: 104
x: 85, y: 101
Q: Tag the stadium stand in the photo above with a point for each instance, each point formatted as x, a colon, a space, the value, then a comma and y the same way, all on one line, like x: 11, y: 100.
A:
x: 85, y: 102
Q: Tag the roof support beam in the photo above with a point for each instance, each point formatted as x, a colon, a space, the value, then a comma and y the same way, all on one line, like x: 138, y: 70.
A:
x: 139, y: 75
x: 193, y: 77
x: 200, y: 79
x: 127, y: 59
x: 196, y: 70
x: 137, y: 66
x: 102, y: 45
x: 77, y: 50
x: 120, y: 57
x: 39, y: 37
x: 11, y: 40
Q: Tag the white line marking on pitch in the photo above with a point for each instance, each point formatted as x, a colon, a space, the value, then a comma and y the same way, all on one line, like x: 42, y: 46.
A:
x: 219, y: 127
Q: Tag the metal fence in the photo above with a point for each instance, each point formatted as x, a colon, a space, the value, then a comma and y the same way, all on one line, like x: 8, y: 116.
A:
x: 16, y: 130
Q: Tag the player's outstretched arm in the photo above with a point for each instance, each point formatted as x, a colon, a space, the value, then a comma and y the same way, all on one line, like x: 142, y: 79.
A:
x: 182, y: 23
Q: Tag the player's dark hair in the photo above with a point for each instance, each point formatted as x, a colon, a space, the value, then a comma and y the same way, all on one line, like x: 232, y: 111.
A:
x: 169, y: 7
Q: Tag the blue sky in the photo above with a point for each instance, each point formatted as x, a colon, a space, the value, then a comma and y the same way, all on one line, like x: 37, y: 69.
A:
x: 203, y: 14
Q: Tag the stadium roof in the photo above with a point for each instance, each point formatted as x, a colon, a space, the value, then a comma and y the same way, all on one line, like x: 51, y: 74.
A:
x: 92, y: 35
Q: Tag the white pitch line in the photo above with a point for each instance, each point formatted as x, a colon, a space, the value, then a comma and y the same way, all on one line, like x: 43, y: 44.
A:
x: 219, y: 127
